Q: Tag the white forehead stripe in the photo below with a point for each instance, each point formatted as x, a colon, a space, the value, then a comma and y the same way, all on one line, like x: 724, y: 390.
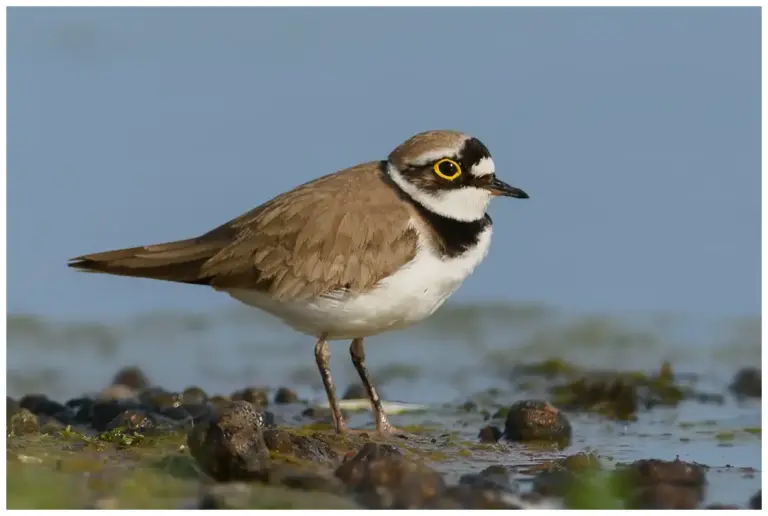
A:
x: 483, y: 167
x: 433, y: 155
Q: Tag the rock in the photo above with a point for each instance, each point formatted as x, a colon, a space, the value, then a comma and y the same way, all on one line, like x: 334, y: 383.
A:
x: 284, y: 396
x: 756, y: 502
x: 230, y: 445
x: 303, y: 478
x: 194, y: 396
x: 748, y: 383
x: 219, y: 402
x: 466, y: 496
x: 665, y: 496
x: 656, y: 471
x: 24, y: 422
x: 132, y: 422
x: 491, y: 478
x: 40, y: 404
x: 356, y: 391
x: 11, y: 407
x: 562, y: 476
x: 239, y: 495
x: 255, y: 395
x: 101, y: 413
x: 118, y: 392
x: 132, y: 377
x: 613, y: 396
x: 536, y: 421
x: 322, y: 414
x: 384, y: 479
x: 300, y: 446
x: 199, y: 412
x: 489, y: 434
x: 160, y: 400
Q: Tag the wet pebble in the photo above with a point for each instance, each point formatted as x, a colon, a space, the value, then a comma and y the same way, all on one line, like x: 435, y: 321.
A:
x: 284, y: 396
x: 255, y: 395
x: 535, y: 420
x: 748, y: 383
x: 230, y: 445
x: 24, y: 422
x: 489, y: 434
x: 655, y: 471
x: 383, y: 479
x: 132, y: 377
x: 665, y: 496
x: 492, y: 477
x: 467, y: 496
x: 300, y: 446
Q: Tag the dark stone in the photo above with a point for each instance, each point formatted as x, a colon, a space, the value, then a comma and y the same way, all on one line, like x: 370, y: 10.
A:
x: 356, y: 391
x: 219, y: 402
x: 467, y: 496
x: 557, y: 482
x: 581, y: 462
x: 132, y: 422
x: 534, y: 420
x: 132, y: 377
x: 255, y: 395
x: 198, y: 412
x: 160, y: 400
x: 300, y: 446
x: 40, y: 404
x: 491, y: 478
x: 665, y: 496
x: 384, y: 479
x: 102, y: 413
x: 179, y: 414
x: 284, y: 396
x: 302, y: 478
x: 748, y: 383
x: 655, y: 471
x: 11, y: 407
x: 230, y: 445
x: 322, y: 414
x: 269, y: 419
x: 756, y: 502
x: 194, y: 396
x: 489, y: 434
x: 24, y: 422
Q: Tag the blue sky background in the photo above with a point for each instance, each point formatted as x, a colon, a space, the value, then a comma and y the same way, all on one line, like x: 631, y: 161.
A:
x: 636, y: 132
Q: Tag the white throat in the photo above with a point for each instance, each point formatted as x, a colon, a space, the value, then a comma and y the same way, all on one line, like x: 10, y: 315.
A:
x: 464, y: 204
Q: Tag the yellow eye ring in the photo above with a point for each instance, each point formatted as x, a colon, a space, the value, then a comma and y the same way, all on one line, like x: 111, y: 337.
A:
x: 447, y: 169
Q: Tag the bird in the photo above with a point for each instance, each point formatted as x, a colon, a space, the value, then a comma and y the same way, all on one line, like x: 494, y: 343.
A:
x: 368, y: 249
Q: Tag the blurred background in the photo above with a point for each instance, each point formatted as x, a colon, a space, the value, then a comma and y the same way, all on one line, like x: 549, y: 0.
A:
x: 636, y: 132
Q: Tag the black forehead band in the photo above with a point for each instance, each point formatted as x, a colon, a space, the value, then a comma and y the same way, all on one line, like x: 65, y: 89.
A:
x: 472, y: 152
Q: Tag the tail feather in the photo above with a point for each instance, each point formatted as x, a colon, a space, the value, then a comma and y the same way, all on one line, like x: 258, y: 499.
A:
x: 180, y: 261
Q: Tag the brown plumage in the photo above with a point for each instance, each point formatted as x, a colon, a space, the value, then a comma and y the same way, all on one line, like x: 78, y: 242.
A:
x: 347, y: 230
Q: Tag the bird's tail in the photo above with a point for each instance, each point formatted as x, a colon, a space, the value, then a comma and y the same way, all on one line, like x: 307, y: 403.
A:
x: 180, y: 261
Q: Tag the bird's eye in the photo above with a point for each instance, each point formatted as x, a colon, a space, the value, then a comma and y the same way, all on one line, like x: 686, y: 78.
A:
x: 447, y: 169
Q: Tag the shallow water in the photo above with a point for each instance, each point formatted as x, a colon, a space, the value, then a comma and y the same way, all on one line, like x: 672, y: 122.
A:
x: 457, y: 355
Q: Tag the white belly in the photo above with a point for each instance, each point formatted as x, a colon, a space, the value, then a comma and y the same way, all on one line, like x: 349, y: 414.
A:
x: 413, y: 293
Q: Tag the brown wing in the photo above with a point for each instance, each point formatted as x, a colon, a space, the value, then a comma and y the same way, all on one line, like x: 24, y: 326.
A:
x: 347, y: 230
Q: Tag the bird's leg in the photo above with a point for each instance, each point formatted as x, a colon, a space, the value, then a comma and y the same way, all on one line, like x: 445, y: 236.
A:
x: 358, y: 359
x: 323, y: 359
